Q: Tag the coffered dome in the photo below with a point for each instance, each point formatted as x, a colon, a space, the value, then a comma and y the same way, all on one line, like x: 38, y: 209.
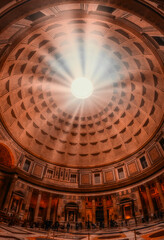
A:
x: 37, y: 107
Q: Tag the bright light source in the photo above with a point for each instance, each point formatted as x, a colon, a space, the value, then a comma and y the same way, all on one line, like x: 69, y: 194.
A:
x: 82, y: 88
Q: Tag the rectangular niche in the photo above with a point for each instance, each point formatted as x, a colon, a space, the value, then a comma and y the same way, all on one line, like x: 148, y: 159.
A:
x: 26, y: 165
x: 121, y: 174
x: 49, y: 173
x: 143, y: 162
x: 132, y: 168
x: 38, y: 170
x: 108, y: 176
x: 62, y: 174
x: 57, y: 173
x: 97, y: 178
x: 85, y: 178
x: 66, y: 176
x: 73, y: 178
x: 154, y: 154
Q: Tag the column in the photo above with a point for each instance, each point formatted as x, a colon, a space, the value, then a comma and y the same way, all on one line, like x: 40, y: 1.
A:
x: 93, y: 211
x: 60, y: 209
x: 115, y: 207
x: 3, y: 190
x: 37, y: 207
x: 1, y: 182
x: 83, y: 212
x: 55, y: 210
x: 140, y: 210
x: 160, y: 193
x: 29, y: 196
x: 49, y: 207
x: 7, y: 200
x: 54, y: 215
x: 20, y: 206
x: 105, y: 212
x: 10, y: 204
x: 149, y: 200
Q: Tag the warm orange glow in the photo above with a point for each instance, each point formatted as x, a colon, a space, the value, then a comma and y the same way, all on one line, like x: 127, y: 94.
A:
x: 128, y: 211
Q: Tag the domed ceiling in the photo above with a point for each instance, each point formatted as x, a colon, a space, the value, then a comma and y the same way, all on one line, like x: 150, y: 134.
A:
x: 37, y: 106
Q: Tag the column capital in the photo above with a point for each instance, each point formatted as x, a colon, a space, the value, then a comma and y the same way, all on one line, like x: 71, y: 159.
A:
x: 113, y: 195
x: 93, y: 199
x: 146, y: 185
x: 30, y: 189
x: 50, y: 194
x: 39, y: 192
x: 157, y: 180
x: 134, y: 189
x: 83, y: 198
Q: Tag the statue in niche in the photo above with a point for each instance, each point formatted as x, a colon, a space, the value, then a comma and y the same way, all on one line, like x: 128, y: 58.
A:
x: 71, y: 216
x: 14, y: 205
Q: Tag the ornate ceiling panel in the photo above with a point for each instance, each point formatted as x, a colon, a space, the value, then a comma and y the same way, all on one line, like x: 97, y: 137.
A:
x: 47, y: 50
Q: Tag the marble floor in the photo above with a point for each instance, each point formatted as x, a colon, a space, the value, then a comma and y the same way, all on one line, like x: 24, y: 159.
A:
x: 153, y: 231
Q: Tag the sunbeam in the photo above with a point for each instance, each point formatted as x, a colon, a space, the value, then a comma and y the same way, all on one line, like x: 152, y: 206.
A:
x: 82, y: 70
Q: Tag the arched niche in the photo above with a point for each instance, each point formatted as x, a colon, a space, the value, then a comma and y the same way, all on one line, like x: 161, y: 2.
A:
x: 6, y: 156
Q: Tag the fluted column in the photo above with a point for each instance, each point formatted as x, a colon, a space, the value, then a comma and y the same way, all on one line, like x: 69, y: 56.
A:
x: 149, y: 200
x: 7, y: 200
x: 160, y: 193
x: 37, y: 207
x: 105, y: 212
x: 49, y: 207
x: 93, y: 211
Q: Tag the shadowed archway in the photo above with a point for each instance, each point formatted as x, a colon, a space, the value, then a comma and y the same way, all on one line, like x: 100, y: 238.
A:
x: 6, y: 156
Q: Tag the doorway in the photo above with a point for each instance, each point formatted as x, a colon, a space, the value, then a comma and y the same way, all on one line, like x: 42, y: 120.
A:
x: 99, y: 214
x: 127, y: 211
x: 30, y: 216
x: 71, y: 212
x: 156, y: 204
x: 127, y: 208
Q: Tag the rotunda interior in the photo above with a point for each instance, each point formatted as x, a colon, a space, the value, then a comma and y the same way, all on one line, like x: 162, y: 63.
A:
x: 81, y: 112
